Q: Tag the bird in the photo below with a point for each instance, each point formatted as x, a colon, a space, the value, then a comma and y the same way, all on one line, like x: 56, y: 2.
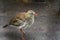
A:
x: 22, y: 20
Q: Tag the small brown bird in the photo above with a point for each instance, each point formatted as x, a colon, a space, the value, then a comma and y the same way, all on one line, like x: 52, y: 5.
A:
x: 22, y: 21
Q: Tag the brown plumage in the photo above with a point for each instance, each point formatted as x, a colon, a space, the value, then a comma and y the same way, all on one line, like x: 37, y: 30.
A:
x: 22, y: 20
x: 20, y: 16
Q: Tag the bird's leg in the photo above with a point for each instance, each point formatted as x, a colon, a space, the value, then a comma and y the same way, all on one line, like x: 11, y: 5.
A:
x: 23, y: 33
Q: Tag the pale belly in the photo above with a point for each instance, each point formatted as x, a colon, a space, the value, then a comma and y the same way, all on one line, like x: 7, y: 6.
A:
x: 29, y: 23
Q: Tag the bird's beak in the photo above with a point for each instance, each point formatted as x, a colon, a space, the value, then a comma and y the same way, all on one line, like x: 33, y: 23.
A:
x: 36, y: 14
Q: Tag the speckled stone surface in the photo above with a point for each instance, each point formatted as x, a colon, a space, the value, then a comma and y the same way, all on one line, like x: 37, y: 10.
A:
x: 45, y: 27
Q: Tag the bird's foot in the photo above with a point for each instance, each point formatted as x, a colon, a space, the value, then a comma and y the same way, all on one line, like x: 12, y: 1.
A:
x: 22, y: 31
x: 23, y: 38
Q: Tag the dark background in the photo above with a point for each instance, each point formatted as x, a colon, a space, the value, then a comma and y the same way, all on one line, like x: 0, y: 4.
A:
x: 46, y: 26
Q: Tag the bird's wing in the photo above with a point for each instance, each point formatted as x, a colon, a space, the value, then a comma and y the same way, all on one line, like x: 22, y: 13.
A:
x: 22, y: 25
x: 19, y: 23
x: 17, y: 19
x: 21, y: 16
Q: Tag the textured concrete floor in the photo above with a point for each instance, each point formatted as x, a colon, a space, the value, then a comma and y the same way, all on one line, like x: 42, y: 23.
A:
x: 46, y: 26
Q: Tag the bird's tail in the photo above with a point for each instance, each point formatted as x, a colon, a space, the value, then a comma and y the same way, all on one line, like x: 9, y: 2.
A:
x: 5, y: 26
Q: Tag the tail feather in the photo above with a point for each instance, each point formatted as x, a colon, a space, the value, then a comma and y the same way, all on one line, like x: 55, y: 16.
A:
x: 5, y: 26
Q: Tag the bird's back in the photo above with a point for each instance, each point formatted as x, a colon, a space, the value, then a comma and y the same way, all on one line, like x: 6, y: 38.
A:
x: 19, y: 16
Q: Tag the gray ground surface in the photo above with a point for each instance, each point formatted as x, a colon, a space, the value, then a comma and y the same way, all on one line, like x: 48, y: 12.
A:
x: 46, y: 26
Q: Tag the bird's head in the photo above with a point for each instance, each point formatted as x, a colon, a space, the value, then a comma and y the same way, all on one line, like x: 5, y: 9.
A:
x: 30, y: 13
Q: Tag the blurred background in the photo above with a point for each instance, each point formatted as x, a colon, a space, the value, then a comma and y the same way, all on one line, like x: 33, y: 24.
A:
x: 45, y: 27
